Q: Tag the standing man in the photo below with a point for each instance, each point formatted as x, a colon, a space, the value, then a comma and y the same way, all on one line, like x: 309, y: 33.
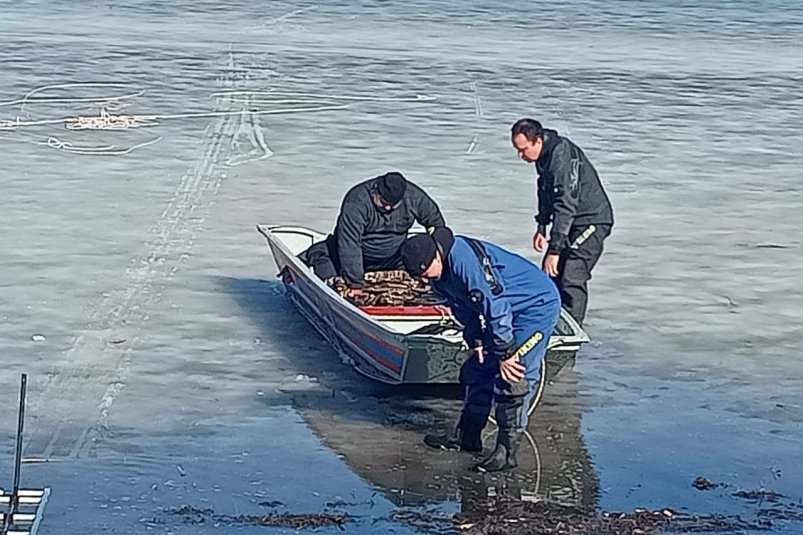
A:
x: 375, y: 217
x: 508, y: 308
x: 572, y: 199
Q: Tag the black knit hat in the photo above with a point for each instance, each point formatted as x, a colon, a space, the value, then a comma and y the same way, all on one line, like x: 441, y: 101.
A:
x: 391, y: 187
x: 417, y: 253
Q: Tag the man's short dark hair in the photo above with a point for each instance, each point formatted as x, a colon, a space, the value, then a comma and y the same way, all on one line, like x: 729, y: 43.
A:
x: 529, y: 128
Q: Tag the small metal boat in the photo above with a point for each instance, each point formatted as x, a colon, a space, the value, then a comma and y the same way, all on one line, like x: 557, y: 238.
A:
x: 391, y: 344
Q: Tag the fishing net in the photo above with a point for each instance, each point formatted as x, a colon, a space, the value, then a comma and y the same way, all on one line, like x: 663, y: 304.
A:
x: 389, y: 288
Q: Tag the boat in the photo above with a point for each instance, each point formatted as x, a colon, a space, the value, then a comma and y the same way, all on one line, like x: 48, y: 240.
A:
x: 391, y: 344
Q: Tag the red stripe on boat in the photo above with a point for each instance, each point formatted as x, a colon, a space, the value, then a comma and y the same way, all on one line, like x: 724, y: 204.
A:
x: 396, y: 350
x: 373, y: 354
x: 422, y: 310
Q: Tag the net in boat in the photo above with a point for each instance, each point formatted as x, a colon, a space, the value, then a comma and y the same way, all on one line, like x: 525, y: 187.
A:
x: 389, y: 288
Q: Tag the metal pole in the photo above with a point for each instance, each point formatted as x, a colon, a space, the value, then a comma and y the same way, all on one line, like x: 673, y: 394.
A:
x: 15, y: 487
x: 18, y: 453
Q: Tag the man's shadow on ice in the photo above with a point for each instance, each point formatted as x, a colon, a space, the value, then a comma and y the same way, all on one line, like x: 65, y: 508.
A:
x: 320, y: 380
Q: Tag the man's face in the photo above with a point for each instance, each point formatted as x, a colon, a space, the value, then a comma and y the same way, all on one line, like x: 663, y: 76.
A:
x: 529, y: 151
x: 382, y: 205
x: 435, y: 269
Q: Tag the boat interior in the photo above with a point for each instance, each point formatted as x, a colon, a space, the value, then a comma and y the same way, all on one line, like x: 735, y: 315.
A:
x: 428, y: 319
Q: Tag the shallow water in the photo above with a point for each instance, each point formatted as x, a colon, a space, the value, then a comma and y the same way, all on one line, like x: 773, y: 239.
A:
x: 166, y: 337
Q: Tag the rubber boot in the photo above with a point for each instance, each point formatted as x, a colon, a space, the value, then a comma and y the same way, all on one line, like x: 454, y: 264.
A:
x: 503, y: 456
x: 508, y: 415
x: 467, y: 436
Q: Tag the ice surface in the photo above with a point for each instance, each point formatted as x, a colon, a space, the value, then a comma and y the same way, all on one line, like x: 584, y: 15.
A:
x: 155, y: 297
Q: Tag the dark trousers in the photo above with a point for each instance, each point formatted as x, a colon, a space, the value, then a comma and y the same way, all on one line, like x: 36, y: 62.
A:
x: 322, y: 257
x: 575, y: 267
x: 484, y: 385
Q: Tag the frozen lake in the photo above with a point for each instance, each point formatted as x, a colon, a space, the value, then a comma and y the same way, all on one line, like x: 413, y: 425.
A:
x: 142, y: 303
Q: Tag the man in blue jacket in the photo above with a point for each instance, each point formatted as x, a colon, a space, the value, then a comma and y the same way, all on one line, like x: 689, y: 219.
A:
x: 508, y: 308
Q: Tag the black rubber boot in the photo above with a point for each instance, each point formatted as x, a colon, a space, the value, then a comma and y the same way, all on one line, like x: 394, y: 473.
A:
x: 503, y: 456
x: 467, y: 435
x: 508, y: 414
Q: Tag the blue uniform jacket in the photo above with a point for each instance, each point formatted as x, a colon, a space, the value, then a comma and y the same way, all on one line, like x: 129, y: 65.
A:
x: 522, y: 286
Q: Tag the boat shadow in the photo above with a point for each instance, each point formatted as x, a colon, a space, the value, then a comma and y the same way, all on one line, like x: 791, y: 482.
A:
x: 320, y: 378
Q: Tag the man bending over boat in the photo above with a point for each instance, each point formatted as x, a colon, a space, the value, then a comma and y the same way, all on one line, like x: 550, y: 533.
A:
x: 508, y: 308
x: 375, y: 218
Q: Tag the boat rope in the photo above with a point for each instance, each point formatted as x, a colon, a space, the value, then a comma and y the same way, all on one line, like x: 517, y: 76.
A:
x: 110, y: 150
x: 59, y: 100
x: 289, y: 15
x: 27, y: 98
x: 109, y: 103
x: 368, y: 98
x: 108, y: 121
x: 66, y: 146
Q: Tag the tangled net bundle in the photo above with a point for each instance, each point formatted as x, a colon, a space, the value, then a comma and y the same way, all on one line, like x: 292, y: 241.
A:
x: 105, y: 121
x: 389, y: 288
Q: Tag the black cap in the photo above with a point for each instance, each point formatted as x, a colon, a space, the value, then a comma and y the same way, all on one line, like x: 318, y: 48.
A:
x: 417, y: 254
x: 391, y: 187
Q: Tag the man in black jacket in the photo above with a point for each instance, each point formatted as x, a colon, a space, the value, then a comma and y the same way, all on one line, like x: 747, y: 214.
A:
x: 375, y: 218
x: 572, y: 199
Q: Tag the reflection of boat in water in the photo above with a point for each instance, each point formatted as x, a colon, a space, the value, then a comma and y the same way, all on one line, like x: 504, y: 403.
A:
x: 380, y: 438
x: 394, y: 345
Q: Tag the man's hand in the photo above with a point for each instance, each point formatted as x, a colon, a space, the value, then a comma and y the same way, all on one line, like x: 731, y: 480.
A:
x: 550, y: 264
x: 512, y: 370
x: 539, y: 242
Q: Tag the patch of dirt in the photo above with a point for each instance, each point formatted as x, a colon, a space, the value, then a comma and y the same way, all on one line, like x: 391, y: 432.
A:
x: 194, y: 515
x: 504, y: 516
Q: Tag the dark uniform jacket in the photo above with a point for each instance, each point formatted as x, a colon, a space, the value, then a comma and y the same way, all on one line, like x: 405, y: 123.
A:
x: 367, y: 236
x: 570, y: 193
